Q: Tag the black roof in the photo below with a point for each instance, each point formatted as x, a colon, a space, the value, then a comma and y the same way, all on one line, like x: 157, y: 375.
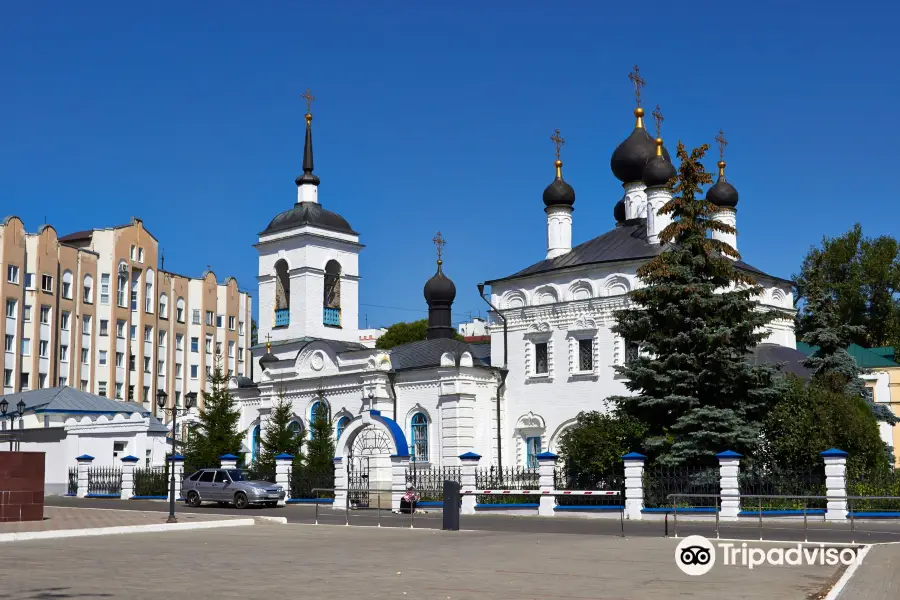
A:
x: 626, y: 242
x: 427, y: 353
x: 337, y: 345
x: 791, y: 360
x: 309, y: 213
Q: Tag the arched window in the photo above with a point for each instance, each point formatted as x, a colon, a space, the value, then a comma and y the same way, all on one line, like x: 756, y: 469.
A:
x: 163, y: 306
x: 254, y: 444
x: 332, y: 300
x: 318, y: 409
x: 67, y: 285
x: 419, y: 430
x: 296, y: 428
x: 122, y: 285
x: 341, y: 426
x: 282, y: 294
x: 88, y: 289
x: 149, y: 299
x: 179, y: 310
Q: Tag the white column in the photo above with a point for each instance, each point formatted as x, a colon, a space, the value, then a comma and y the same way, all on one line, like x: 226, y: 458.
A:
x: 457, y: 421
x: 128, y: 465
x: 178, y: 467
x: 469, y: 462
x: 84, y: 463
x: 283, y: 464
x: 657, y: 197
x: 634, y: 485
x: 559, y: 230
x: 546, y: 469
x: 399, y: 464
x: 729, y: 217
x: 729, y: 467
x: 835, y: 484
x: 340, y: 484
x: 228, y: 461
x: 635, y: 200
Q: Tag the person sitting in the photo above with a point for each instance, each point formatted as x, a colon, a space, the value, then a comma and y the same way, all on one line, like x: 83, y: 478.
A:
x: 409, y: 500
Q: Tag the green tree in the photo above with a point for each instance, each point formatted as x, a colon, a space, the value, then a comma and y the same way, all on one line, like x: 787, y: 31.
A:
x: 592, y: 448
x: 216, y: 431
x: 695, y: 322
x: 320, y: 447
x: 404, y: 333
x: 278, y: 438
x: 862, y: 275
x: 254, y: 332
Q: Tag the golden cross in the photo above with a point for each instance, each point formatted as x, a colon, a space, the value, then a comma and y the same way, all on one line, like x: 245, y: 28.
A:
x: 268, y: 342
x: 309, y: 99
x: 658, y: 116
x: 439, y: 241
x: 722, y: 142
x: 556, y: 139
x: 638, y: 82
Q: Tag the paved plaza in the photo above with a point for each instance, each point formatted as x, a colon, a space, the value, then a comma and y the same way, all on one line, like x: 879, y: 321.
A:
x: 62, y: 518
x: 371, y: 563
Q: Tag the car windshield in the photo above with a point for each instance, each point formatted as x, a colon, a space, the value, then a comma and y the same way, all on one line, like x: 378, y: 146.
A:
x: 237, y: 475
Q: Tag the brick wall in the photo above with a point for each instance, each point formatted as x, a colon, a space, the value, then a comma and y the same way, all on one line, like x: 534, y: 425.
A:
x: 21, y: 486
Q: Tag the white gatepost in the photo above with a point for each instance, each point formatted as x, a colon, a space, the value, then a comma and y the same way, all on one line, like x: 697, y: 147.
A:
x: 835, y: 484
x: 399, y: 465
x: 340, y: 484
x: 729, y: 488
x: 128, y: 465
x: 469, y: 463
x: 546, y: 471
x: 178, y: 468
x: 283, y: 467
x: 84, y: 463
x: 634, y: 485
x: 228, y: 461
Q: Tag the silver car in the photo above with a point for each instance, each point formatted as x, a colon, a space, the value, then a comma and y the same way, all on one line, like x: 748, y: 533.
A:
x: 229, y: 486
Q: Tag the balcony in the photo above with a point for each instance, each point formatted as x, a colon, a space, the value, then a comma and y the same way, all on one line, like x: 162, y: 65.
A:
x: 331, y: 317
x: 282, y: 317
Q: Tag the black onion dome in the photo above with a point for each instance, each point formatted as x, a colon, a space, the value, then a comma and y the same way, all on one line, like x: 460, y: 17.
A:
x: 630, y: 157
x: 559, y: 193
x: 309, y: 213
x: 439, y: 289
x: 722, y: 194
x: 619, y: 211
x: 657, y: 172
x: 267, y: 358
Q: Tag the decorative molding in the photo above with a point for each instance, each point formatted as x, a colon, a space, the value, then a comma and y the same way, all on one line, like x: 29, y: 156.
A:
x: 531, y: 421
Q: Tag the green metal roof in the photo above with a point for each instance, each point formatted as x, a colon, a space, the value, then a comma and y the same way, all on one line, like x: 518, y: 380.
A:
x: 866, y: 358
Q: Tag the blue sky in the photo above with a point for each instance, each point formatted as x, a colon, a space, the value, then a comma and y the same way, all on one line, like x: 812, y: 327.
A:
x: 437, y: 116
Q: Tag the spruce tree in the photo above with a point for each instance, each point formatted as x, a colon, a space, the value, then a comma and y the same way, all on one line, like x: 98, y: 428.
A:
x: 216, y: 432
x: 696, y: 323
x: 320, y: 447
x: 278, y: 438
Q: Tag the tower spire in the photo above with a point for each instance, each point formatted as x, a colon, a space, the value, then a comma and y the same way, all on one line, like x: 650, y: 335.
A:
x: 559, y: 142
x: 721, y: 142
x: 439, y: 243
x: 307, y: 183
x: 638, y: 82
x: 439, y: 294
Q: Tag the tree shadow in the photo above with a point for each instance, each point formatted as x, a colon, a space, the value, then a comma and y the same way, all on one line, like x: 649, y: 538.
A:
x: 50, y: 594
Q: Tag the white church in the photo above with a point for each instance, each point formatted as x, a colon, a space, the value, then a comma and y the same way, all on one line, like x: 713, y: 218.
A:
x: 551, y: 353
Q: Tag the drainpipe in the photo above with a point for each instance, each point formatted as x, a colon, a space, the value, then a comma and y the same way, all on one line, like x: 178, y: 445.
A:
x: 392, y: 375
x: 504, y: 371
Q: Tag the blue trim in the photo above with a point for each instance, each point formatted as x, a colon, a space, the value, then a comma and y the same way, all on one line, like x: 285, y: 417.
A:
x: 71, y: 495
x: 87, y: 412
x: 400, y: 455
x: 469, y: 456
x: 505, y: 506
x: 177, y: 458
x: 887, y: 514
x: 633, y: 456
x: 589, y: 507
x: 337, y: 458
x: 434, y: 503
x: 284, y: 455
x: 375, y: 413
x: 341, y: 426
x: 700, y: 509
x: 131, y: 459
x: 729, y: 454
x: 149, y: 497
x: 310, y: 500
x: 396, y: 432
x: 84, y: 457
x: 832, y: 452
x: 255, y: 444
x: 546, y: 456
x: 782, y: 512
x: 104, y: 495
x: 229, y: 456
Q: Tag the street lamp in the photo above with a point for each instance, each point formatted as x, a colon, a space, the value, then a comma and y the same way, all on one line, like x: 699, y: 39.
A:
x: 189, y: 399
x: 20, y: 412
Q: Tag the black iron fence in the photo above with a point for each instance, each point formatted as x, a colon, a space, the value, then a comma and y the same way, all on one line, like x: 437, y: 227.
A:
x: 660, y: 481
x: 72, y: 487
x: 104, y: 481
x: 429, y: 481
x: 610, y: 481
x: 762, y: 480
x: 506, y: 478
x: 261, y: 472
x: 303, y: 480
x: 152, y: 481
x: 874, y: 482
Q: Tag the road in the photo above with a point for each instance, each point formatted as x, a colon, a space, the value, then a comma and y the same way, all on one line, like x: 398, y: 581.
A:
x: 866, y: 532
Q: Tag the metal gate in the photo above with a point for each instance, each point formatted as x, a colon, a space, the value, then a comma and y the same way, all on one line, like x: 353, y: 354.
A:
x: 370, y: 442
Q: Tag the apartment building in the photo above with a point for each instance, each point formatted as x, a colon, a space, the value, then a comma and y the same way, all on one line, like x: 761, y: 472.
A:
x: 91, y: 310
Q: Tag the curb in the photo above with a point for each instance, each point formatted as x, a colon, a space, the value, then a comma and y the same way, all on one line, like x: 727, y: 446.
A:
x: 848, y: 573
x: 155, y: 528
x: 270, y: 520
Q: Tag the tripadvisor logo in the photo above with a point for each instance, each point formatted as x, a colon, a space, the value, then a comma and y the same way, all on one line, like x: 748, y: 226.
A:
x: 695, y: 555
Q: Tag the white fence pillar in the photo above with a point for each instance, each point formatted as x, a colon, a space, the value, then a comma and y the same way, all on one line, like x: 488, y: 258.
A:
x: 399, y: 464
x: 228, y: 461
x: 340, y: 484
x: 546, y: 470
x: 835, y: 484
x: 283, y: 467
x: 634, y: 485
x: 84, y: 463
x: 729, y: 488
x: 469, y: 463
x: 128, y: 465
x: 178, y: 468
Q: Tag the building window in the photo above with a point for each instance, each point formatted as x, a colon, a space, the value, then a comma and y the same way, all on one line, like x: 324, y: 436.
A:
x: 532, y: 449
x: 88, y: 289
x: 130, y: 393
x: 240, y: 328
x: 26, y: 347
x: 131, y: 362
x: 209, y: 344
x: 319, y: 409
x: 63, y: 381
x: 45, y: 315
x: 210, y: 318
x: 104, y: 327
x: 332, y: 301
x: 101, y: 388
x: 341, y: 426
x: 11, y: 309
x: 122, y: 286
x: 64, y: 353
x: 26, y: 314
x: 194, y: 371
x: 148, y: 333
x: 231, y: 321
x: 282, y: 294
x: 25, y: 381
x: 163, y: 306
x: 219, y: 321
x: 86, y: 324
x: 118, y: 391
x: 162, y: 339
x: 146, y: 364
x: 195, y: 344
x: 101, y: 358
x: 178, y: 399
x: 178, y: 370
x: 179, y: 342
x: 230, y: 349
x: 541, y: 358
x: 104, y: 288
x: 140, y: 255
x: 296, y: 428
x: 134, y: 299
x: 419, y: 430
x: 132, y: 333
x: 254, y: 443
x: 64, y: 320
x: 179, y: 310
x: 12, y: 274
x: 133, y: 254
x: 10, y: 343
x: 160, y: 367
x: 42, y: 380
x: 67, y: 285
x: 46, y: 284
x: 586, y: 355
x: 632, y: 351
x: 85, y: 356
x: 120, y: 359
x: 218, y: 348
x: 7, y: 377
x: 208, y: 372
x: 29, y: 281
x: 195, y: 317
x: 43, y: 348
x: 146, y: 394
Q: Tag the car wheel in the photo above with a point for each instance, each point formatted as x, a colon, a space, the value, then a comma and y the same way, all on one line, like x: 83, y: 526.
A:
x: 193, y: 499
x: 240, y: 500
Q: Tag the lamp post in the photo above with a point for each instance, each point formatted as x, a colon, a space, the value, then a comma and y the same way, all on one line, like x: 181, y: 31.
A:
x: 20, y: 413
x: 189, y: 399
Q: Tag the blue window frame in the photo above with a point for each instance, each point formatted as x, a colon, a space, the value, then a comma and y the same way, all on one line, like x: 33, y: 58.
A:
x: 341, y: 426
x: 254, y: 443
x: 313, y: 411
x: 419, y: 430
x: 296, y: 428
x: 533, y: 448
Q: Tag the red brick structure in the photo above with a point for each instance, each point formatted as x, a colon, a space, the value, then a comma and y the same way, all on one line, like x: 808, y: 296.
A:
x: 21, y: 486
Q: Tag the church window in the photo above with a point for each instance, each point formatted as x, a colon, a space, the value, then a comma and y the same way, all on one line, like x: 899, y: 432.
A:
x: 296, y: 428
x: 632, y: 350
x: 332, y: 300
x: 532, y: 449
x: 318, y: 409
x: 586, y: 355
x: 419, y: 431
x: 541, y: 366
x: 255, y: 444
x: 341, y: 426
x: 282, y: 294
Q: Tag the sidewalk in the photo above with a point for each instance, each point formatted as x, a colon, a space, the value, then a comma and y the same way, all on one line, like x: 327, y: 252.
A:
x: 878, y: 577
